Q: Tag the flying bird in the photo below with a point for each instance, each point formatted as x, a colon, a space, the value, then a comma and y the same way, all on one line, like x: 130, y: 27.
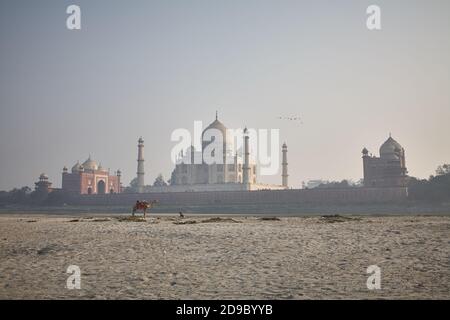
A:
x: 291, y: 118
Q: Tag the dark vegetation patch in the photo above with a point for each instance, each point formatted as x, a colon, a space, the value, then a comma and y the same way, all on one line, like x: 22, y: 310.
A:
x: 47, y: 249
x: 185, y: 222
x: 269, y: 219
x: 337, y: 218
x: 219, y: 219
x: 101, y: 220
x: 131, y: 219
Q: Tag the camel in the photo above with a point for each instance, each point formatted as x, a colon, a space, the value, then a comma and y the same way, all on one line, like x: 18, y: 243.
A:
x: 143, y: 205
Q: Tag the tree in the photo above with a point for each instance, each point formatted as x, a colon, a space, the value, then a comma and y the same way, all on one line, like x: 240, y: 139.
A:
x: 159, y: 181
x: 443, y: 170
x: 335, y: 184
x: 134, y: 183
x: 21, y: 195
x: 436, y: 189
x: 16, y: 196
x: 132, y: 187
x: 172, y: 179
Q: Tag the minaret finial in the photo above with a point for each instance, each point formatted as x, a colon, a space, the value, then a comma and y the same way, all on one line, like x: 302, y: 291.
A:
x: 217, y: 117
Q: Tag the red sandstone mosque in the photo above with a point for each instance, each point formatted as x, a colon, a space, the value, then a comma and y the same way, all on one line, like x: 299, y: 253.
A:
x: 90, y: 178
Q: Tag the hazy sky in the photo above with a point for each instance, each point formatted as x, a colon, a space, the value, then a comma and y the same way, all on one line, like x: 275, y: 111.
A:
x: 149, y: 67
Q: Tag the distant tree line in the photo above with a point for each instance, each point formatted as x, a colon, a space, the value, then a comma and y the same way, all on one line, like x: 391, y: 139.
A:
x: 434, y: 189
x: 16, y: 196
x: 25, y: 196
x: 339, y: 184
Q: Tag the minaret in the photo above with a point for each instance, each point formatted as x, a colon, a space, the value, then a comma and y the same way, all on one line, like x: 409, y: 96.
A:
x: 236, y: 168
x: 284, y: 174
x: 140, y: 166
x: 246, y: 168
x: 192, y: 154
x: 366, y: 158
x: 119, y: 183
x: 191, y: 168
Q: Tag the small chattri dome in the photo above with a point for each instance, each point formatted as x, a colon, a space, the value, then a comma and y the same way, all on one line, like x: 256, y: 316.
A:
x: 365, y: 151
x: 76, y: 167
x: 43, y: 176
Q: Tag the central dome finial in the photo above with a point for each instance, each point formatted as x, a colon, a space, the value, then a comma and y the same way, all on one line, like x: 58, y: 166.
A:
x: 217, y: 117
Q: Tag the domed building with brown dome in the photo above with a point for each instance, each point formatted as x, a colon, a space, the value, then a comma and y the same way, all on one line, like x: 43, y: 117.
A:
x: 387, y: 170
x: 90, y: 178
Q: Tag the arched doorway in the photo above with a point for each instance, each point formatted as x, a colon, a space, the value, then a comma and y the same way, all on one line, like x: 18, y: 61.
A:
x: 101, y: 187
x: 89, y: 190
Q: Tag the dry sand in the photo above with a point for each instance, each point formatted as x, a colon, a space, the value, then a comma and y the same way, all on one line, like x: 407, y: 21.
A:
x: 236, y: 258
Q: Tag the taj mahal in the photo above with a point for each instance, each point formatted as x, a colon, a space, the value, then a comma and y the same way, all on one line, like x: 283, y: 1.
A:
x: 233, y: 172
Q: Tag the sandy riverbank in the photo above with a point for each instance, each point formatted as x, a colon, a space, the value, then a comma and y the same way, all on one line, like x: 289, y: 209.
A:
x: 228, y: 258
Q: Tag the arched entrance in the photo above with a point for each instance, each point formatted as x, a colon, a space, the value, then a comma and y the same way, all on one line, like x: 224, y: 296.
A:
x: 101, y: 188
x: 89, y: 190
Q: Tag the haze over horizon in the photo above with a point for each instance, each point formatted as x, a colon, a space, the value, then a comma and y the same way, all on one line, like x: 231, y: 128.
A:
x: 146, y: 68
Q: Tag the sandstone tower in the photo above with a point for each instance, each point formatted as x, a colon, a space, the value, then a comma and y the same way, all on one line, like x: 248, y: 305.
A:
x: 284, y: 174
x: 140, y: 166
x: 246, y: 168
